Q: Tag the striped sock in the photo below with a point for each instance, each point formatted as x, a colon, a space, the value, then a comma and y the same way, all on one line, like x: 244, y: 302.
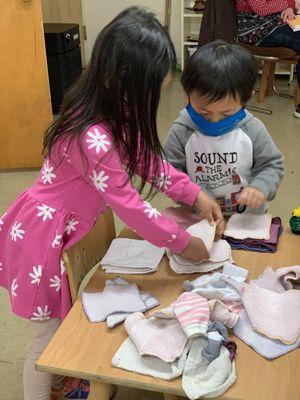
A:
x: 192, y: 312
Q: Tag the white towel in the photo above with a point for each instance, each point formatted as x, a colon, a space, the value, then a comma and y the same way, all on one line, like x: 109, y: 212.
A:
x: 249, y: 226
x: 131, y: 256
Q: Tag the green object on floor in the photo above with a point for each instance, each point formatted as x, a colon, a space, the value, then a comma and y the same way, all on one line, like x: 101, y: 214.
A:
x: 295, y: 221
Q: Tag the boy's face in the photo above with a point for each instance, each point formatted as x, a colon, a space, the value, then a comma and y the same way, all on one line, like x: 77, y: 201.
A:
x: 214, y: 111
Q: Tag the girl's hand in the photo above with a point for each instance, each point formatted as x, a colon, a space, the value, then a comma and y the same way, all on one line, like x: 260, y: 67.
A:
x: 209, y: 208
x: 220, y: 228
x: 195, y: 250
x: 287, y: 14
x: 252, y: 197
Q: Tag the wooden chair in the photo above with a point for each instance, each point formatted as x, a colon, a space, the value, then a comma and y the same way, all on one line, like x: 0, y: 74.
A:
x: 81, y: 258
x: 270, y: 56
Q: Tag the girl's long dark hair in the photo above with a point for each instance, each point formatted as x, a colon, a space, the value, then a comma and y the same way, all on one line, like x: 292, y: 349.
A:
x: 121, y: 87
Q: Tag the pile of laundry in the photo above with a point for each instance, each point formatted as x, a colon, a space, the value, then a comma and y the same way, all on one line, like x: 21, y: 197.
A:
x: 253, y: 232
x: 189, y: 337
x: 270, y: 322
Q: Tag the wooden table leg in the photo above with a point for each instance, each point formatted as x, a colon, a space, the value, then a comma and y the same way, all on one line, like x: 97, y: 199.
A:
x: 100, y: 391
x: 170, y: 397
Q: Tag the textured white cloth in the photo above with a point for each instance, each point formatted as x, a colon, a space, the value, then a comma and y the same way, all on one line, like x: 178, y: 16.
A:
x: 204, y: 231
x: 128, y: 358
x: 249, y: 226
x: 131, y: 256
x: 203, y: 379
x: 264, y: 346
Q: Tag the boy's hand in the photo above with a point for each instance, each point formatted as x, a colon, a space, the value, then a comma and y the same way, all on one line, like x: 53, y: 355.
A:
x: 287, y: 14
x: 252, y: 197
x: 195, y: 250
x: 209, y: 208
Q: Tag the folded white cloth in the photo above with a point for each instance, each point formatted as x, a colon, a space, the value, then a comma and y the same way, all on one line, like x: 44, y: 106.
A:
x: 131, y: 256
x: 128, y: 358
x: 219, y: 253
x: 249, y: 226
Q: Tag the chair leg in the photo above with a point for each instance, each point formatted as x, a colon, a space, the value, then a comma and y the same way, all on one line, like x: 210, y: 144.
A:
x: 100, y: 391
x: 264, y: 81
x: 271, y: 79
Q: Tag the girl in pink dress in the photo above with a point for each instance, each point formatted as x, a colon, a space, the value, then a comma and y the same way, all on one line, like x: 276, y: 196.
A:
x: 104, y: 136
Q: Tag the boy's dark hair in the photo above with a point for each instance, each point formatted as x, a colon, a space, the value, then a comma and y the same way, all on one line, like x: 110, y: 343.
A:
x: 121, y: 87
x: 220, y: 69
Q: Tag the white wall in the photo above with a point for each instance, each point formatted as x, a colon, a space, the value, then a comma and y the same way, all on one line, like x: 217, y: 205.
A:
x: 97, y: 13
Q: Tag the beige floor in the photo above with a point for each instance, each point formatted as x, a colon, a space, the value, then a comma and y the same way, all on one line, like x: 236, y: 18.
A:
x: 284, y: 129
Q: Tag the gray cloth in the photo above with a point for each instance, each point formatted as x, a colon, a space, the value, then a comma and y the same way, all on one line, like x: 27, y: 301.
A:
x: 216, y: 334
x: 267, y: 169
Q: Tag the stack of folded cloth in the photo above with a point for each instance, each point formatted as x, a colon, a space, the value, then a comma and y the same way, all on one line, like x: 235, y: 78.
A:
x: 219, y: 252
x: 131, y: 256
x: 253, y: 232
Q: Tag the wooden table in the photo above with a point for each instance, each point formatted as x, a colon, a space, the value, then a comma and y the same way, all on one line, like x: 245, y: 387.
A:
x: 85, y: 350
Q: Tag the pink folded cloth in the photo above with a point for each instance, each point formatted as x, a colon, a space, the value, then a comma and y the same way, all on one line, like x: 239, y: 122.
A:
x: 162, y: 338
x: 275, y: 315
x: 289, y: 277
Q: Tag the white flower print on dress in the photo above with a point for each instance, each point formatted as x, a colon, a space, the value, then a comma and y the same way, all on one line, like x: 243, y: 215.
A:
x: 98, y: 141
x: 99, y: 180
x: 55, y: 283
x: 151, y: 211
x: 163, y: 182
x: 13, y: 289
x: 45, y: 212
x: 16, y: 232
x: 62, y: 267
x: 41, y: 314
x: 57, y: 241
x: 47, y: 173
x: 71, y: 226
x: 1, y: 221
x: 36, y: 274
x: 1, y: 266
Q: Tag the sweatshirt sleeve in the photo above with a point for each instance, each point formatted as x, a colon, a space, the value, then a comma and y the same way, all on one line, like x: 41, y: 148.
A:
x: 267, y: 169
x: 267, y: 7
x: 108, y: 177
x: 174, y: 147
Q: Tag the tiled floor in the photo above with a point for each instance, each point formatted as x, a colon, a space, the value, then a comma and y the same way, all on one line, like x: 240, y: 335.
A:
x: 284, y: 129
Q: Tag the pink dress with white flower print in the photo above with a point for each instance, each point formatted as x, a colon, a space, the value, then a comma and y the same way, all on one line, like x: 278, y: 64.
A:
x: 70, y: 194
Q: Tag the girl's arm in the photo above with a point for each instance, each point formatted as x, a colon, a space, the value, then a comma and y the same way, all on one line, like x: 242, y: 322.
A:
x: 178, y: 187
x: 108, y: 177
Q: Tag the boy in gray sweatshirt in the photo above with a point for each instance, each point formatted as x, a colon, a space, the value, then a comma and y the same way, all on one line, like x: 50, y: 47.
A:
x: 220, y: 145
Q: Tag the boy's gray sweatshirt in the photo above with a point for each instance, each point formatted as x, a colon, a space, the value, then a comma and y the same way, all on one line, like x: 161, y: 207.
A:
x: 224, y: 165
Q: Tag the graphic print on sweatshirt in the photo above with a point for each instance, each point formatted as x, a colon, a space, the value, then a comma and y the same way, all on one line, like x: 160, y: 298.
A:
x: 220, y: 165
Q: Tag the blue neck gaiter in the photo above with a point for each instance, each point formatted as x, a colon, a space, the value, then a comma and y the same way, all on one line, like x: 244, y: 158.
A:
x: 215, y: 128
